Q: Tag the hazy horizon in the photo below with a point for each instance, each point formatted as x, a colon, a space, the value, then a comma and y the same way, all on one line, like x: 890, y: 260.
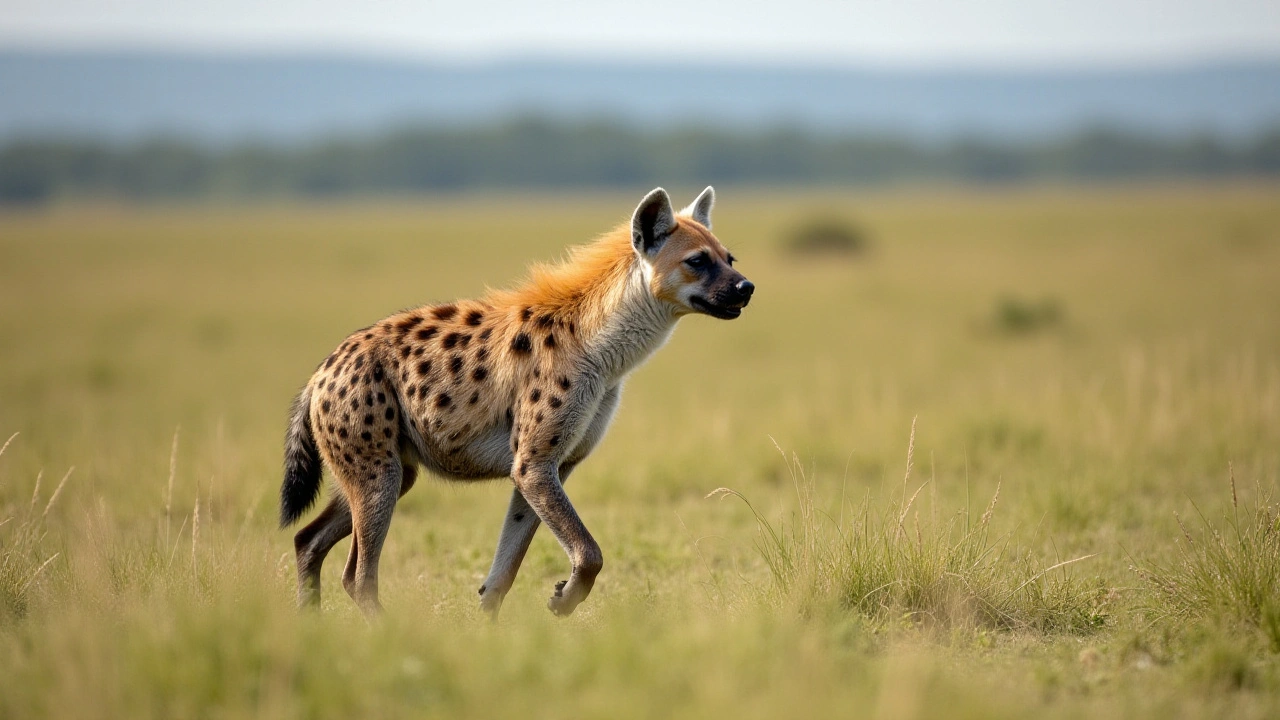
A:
x: 928, y: 34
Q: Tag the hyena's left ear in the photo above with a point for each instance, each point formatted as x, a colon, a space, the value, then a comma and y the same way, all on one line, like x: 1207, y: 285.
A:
x: 652, y: 222
x: 700, y: 208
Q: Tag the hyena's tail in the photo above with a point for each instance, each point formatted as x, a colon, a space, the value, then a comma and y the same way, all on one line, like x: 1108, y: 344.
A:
x: 301, y: 463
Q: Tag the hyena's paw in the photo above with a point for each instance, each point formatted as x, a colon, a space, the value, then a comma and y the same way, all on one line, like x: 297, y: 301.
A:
x: 560, y: 604
x: 490, y: 602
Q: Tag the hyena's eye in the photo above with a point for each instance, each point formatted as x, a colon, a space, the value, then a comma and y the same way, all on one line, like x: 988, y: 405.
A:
x: 698, y: 262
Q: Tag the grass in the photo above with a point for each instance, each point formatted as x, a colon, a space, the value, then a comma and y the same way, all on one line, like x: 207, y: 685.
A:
x: 1019, y: 552
x: 1229, y: 574
x: 881, y: 562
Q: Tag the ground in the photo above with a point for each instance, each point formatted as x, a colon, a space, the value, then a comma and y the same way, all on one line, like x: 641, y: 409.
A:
x: 1107, y: 360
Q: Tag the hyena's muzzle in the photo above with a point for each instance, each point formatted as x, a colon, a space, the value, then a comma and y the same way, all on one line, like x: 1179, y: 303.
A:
x: 723, y: 294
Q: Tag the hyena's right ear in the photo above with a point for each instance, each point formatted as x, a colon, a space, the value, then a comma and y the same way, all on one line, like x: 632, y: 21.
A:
x: 652, y: 222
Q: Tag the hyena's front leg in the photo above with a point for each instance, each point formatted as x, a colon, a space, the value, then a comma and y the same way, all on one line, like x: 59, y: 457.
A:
x: 518, y: 528
x: 539, y: 483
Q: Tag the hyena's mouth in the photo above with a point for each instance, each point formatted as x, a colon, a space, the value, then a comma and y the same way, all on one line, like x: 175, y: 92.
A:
x: 723, y: 312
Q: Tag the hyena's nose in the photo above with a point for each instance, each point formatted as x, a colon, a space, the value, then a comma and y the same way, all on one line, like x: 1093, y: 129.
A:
x: 744, y: 288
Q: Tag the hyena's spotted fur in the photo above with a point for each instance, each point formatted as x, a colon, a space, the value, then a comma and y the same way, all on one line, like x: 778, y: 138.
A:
x: 522, y: 383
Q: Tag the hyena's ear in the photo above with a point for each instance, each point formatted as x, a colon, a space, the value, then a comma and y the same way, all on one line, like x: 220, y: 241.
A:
x: 652, y: 222
x: 700, y: 208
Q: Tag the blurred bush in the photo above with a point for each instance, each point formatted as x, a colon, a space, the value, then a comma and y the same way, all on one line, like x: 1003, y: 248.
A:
x: 1017, y: 316
x: 827, y: 236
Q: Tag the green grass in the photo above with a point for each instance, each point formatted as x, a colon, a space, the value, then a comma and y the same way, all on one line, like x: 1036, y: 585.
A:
x: 978, y: 511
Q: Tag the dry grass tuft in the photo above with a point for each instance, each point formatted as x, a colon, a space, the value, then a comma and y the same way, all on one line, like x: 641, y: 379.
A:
x: 948, y: 573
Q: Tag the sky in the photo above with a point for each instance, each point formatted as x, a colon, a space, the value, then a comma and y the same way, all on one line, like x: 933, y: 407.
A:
x: 928, y: 33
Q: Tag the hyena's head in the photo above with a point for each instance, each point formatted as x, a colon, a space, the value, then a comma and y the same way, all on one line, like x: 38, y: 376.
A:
x: 690, y: 268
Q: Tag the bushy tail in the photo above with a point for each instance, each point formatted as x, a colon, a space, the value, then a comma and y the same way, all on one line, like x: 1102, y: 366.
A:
x: 301, y: 463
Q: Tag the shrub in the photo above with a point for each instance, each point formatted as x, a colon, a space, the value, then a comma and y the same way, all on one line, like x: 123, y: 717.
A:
x: 826, y: 237
x: 1017, y: 316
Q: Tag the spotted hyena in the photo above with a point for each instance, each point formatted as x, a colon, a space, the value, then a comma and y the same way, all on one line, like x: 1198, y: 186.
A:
x: 521, y: 383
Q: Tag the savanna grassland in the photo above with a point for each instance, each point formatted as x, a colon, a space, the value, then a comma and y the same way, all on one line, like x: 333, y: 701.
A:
x: 1016, y: 456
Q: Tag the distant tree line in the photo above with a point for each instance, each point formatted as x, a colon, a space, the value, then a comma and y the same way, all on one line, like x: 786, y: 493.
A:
x: 541, y: 154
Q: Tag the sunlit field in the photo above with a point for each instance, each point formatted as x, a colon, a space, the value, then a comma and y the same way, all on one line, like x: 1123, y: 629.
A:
x: 1017, y: 453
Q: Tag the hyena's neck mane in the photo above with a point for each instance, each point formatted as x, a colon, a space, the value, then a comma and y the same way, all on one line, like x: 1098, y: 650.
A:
x: 602, y: 289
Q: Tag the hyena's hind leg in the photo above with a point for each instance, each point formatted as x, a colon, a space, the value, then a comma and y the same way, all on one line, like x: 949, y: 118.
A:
x: 313, y: 543
x: 372, y: 495
x: 408, y: 475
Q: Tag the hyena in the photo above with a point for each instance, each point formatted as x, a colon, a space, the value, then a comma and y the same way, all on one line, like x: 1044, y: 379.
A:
x: 521, y: 383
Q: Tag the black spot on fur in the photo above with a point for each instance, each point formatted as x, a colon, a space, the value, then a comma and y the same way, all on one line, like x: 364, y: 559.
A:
x: 382, y: 398
x: 324, y: 406
x: 445, y: 312
x: 342, y: 393
x: 480, y: 373
x: 368, y: 399
x: 411, y: 391
x: 455, y: 364
x: 564, y: 383
x: 368, y: 336
x: 417, y: 352
x: 329, y: 363
x: 481, y: 354
x: 572, y: 330
x: 518, y: 517
x: 550, y: 342
x: 475, y: 398
x: 409, y: 323
x: 424, y: 367
x: 355, y: 403
x: 464, y: 340
x: 390, y: 414
x: 359, y: 361
x: 368, y: 419
x: 427, y: 333
x: 377, y: 374
x: 422, y: 390
x: 474, y: 318
x: 537, y: 418
x: 366, y: 436
x: 537, y: 373
x: 524, y: 467
x: 450, y: 340
x: 522, y: 345
x: 555, y: 402
x: 544, y: 321
x: 443, y: 400
x: 404, y: 352
x: 555, y: 440
x: 535, y: 396
x: 525, y: 314
x: 342, y: 433
x: 348, y: 458
x: 483, y: 588
x: 386, y: 432
x: 484, y: 334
